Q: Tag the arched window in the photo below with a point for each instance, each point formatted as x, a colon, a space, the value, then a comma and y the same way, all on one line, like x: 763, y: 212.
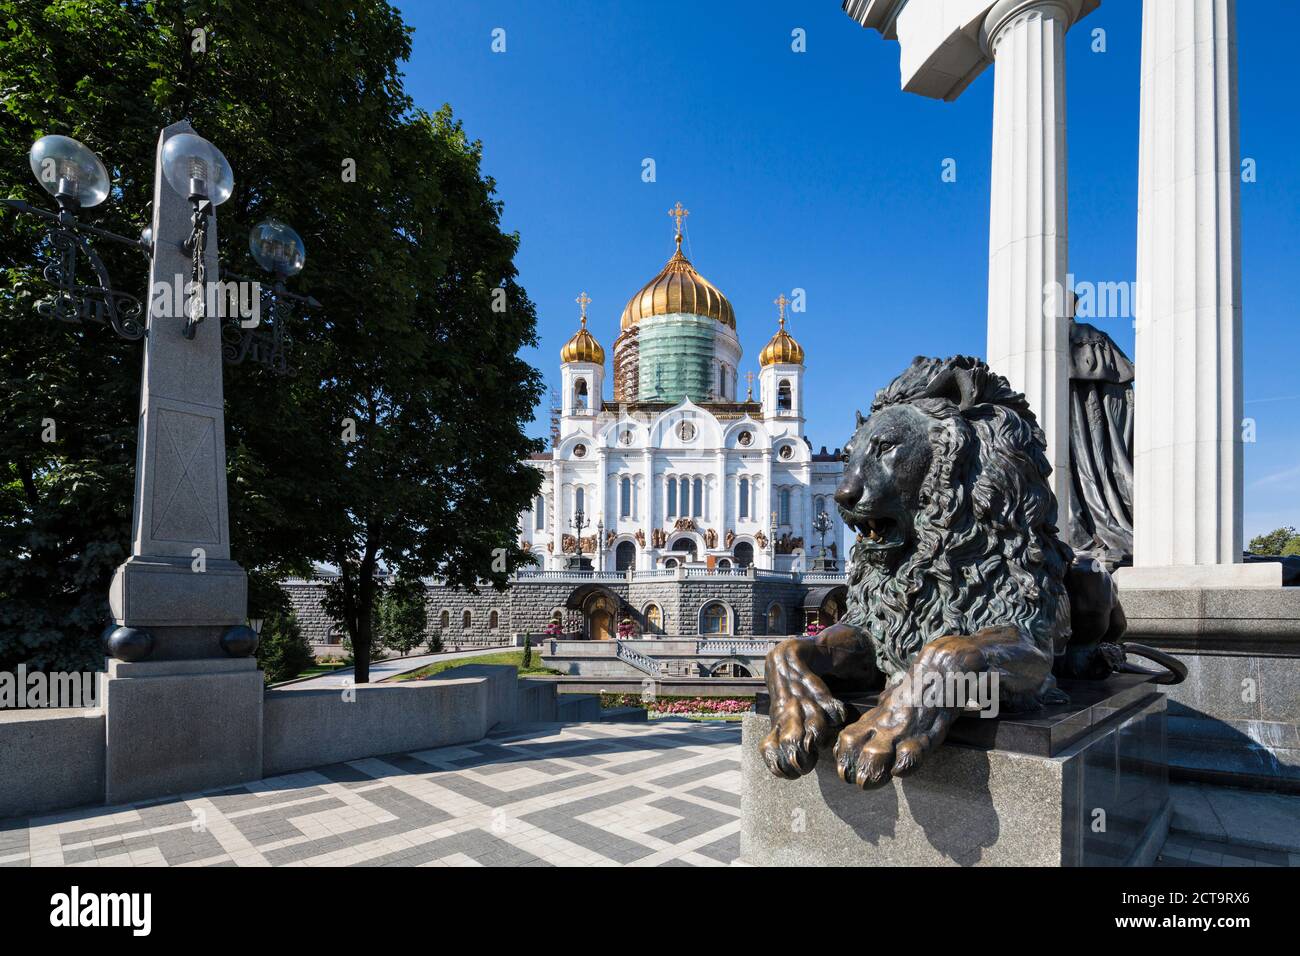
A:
x: 742, y: 508
x: 654, y: 618
x: 670, y: 562
x: 819, y: 505
x: 714, y: 619
x: 783, y: 506
x: 774, y: 619
x: 580, y: 393
x: 467, y: 620
x: 724, y: 564
x: 784, y: 402
x: 697, y: 500
x: 625, y: 556
x: 579, y: 500
x: 494, y: 620
x: 444, y: 619
x: 539, y: 513
x: 744, y: 553
x: 685, y: 484
x: 625, y: 497
x: 686, y: 545
x: 672, y: 497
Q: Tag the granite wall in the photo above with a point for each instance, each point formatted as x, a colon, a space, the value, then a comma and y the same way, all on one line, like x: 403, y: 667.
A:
x: 527, y: 606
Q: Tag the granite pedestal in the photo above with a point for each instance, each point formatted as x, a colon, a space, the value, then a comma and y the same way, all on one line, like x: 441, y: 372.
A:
x: 177, y: 726
x: 1080, y: 784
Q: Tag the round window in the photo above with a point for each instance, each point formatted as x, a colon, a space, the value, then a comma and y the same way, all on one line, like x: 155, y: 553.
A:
x: 746, y: 438
x: 786, y: 452
x: 579, y: 451
x: 686, y: 431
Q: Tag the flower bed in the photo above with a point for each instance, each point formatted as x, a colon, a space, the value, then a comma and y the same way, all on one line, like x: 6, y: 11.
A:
x: 681, y: 706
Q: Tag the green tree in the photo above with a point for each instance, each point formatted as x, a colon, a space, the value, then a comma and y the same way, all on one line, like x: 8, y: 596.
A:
x: 1279, y: 541
x: 403, y: 256
x: 283, y: 652
x: 425, y: 369
x: 402, y: 617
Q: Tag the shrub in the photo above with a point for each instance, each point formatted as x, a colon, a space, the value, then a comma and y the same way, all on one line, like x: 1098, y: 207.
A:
x: 283, y: 652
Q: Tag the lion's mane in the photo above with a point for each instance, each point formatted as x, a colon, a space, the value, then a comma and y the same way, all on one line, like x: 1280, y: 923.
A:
x: 984, y: 549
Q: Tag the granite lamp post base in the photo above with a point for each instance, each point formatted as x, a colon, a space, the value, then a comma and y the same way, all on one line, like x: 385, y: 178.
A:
x: 178, y: 726
x: 1083, y: 784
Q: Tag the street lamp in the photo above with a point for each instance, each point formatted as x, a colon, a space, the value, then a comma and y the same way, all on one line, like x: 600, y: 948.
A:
x: 822, y: 524
x: 69, y: 172
x: 195, y: 168
x: 278, y: 249
x: 579, y: 522
x: 76, y: 179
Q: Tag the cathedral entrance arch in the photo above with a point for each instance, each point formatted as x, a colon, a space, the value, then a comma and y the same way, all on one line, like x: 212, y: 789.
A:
x: 599, y: 606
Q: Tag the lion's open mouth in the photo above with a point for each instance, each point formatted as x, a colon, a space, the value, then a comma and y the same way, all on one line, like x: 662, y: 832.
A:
x: 876, y: 532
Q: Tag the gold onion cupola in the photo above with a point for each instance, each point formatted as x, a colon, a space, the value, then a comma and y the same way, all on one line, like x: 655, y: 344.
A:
x: 678, y: 289
x: 782, y: 349
x: 583, y: 347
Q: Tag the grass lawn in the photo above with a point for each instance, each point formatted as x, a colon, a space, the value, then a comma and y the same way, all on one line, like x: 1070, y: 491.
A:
x: 316, y: 670
x: 515, y: 658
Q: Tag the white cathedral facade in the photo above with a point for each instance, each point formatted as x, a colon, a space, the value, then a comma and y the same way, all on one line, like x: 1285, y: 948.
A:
x: 675, y: 468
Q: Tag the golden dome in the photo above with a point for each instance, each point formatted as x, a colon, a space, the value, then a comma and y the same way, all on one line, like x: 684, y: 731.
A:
x: 782, y: 349
x: 678, y: 288
x: 583, y: 347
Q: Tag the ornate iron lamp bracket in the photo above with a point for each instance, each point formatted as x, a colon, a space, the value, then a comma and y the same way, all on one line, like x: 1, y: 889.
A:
x: 73, y: 301
x: 196, y: 247
x: 267, y: 341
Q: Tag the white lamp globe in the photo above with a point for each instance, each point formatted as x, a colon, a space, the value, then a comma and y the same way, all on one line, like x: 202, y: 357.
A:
x: 277, y: 248
x: 194, y: 167
x: 66, y: 168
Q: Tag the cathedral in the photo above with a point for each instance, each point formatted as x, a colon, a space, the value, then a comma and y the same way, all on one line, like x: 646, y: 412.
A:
x: 674, y: 467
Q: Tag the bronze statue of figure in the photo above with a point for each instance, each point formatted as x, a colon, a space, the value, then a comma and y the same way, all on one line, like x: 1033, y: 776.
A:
x: 1101, y: 445
x: 957, y: 571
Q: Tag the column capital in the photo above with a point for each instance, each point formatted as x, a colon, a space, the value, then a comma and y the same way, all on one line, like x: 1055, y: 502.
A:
x: 1005, y: 12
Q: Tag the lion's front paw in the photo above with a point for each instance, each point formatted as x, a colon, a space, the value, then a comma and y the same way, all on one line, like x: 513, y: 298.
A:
x: 803, y: 712
x: 893, y: 738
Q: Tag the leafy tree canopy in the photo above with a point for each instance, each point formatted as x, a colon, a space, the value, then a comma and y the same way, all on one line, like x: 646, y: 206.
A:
x: 1283, y: 541
x: 414, y: 345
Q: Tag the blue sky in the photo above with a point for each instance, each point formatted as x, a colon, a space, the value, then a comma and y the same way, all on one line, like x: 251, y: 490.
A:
x: 813, y: 170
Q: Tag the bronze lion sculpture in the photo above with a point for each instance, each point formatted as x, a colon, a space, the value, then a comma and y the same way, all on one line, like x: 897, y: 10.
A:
x: 957, y: 571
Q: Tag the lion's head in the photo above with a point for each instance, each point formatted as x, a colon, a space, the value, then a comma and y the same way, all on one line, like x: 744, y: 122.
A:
x: 946, y: 483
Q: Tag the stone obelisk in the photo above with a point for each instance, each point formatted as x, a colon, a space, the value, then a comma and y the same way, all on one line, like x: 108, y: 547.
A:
x: 181, y: 713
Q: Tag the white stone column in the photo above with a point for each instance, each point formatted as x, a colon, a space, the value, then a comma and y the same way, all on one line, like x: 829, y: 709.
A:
x: 1028, y: 331
x: 559, y: 513
x: 1187, y: 469
x: 720, y: 519
x: 648, y: 515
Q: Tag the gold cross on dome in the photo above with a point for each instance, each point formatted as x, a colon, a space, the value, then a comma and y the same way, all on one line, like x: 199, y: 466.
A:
x: 781, y: 302
x: 583, y: 301
x: 679, y: 212
x: 749, y: 377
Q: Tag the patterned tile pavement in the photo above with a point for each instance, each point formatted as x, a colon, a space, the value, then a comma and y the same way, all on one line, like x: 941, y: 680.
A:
x: 661, y: 794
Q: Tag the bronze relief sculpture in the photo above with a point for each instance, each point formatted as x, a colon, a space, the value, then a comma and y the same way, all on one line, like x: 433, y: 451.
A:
x: 957, y: 571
